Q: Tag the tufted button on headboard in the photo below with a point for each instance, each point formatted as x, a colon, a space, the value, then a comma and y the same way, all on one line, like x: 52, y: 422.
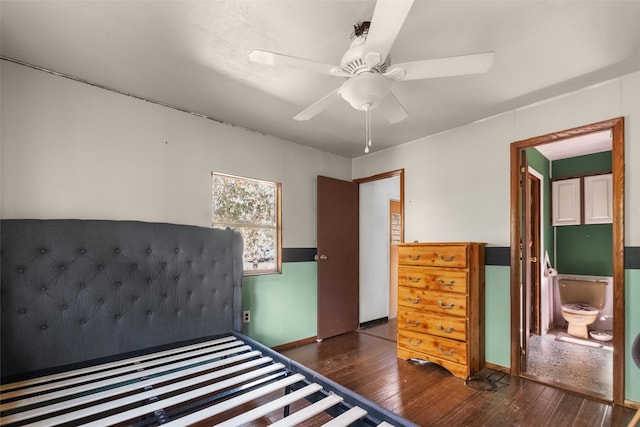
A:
x: 78, y: 290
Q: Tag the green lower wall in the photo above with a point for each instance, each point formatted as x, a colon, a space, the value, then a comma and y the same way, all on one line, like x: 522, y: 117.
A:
x: 283, y: 306
x: 632, y: 326
x: 284, y: 309
x: 497, y: 318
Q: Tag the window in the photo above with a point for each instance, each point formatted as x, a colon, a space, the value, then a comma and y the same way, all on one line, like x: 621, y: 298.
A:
x: 252, y: 207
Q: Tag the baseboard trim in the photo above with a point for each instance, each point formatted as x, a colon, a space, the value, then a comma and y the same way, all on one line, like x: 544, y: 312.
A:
x: 631, y: 404
x: 498, y: 368
x: 374, y: 322
x: 294, y: 344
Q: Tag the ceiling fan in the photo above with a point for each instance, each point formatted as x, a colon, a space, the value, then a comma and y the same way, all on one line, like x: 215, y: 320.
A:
x: 368, y: 70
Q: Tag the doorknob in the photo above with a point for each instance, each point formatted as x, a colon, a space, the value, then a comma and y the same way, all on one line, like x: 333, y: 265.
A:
x: 533, y: 259
x: 321, y: 257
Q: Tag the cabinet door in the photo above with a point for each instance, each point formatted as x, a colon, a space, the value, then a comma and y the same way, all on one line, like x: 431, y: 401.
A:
x: 566, y: 202
x: 598, y: 200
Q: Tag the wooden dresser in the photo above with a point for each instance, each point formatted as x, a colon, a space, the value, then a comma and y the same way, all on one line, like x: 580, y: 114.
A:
x: 441, y: 305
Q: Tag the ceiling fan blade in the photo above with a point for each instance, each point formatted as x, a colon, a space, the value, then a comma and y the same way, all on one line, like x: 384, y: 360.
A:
x: 392, y: 110
x: 387, y: 20
x: 271, y: 58
x: 319, y: 106
x: 453, y: 66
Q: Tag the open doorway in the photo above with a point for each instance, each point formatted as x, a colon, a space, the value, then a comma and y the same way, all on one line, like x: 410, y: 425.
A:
x: 533, y: 300
x: 381, y: 223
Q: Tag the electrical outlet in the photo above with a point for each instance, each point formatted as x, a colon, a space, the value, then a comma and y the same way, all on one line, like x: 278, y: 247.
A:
x: 246, y: 316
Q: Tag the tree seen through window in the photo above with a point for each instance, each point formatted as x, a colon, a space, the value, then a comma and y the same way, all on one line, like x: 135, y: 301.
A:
x: 252, y: 207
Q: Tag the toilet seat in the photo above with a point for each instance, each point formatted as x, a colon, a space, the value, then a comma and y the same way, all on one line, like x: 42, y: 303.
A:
x: 580, y: 308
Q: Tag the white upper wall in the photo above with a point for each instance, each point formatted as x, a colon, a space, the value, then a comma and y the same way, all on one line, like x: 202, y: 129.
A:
x: 71, y: 150
x: 457, y: 182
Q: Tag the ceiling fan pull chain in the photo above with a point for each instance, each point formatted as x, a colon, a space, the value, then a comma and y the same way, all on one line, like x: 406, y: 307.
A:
x: 370, y: 127
x: 367, y: 128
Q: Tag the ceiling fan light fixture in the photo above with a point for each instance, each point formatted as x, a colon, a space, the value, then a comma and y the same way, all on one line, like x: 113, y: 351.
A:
x: 366, y: 90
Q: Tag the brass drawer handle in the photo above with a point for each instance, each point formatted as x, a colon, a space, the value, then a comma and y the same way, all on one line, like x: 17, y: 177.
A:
x: 443, y: 283
x: 448, y: 331
x: 415, y: 344
x: 442, y: 258
x: 413, y: 301
x: 410, y: 279
x: 412, y: 324
x: 413, y: 258
x: 446, y: 307
x: 448, y: 353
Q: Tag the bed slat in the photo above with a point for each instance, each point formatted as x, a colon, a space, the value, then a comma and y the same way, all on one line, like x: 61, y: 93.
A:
x: 310, y: 411
x: 346, y: 418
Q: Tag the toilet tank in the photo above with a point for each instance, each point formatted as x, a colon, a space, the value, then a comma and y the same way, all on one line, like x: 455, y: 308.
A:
x: 582, y: 291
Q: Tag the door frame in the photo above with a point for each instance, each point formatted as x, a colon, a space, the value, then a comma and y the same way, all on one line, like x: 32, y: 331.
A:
x: 616, y: 126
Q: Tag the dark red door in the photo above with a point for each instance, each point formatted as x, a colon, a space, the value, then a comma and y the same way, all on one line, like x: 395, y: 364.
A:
x: 337, y: 257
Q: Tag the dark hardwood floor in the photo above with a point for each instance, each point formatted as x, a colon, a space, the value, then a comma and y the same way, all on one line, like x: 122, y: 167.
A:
x: 430, y: 396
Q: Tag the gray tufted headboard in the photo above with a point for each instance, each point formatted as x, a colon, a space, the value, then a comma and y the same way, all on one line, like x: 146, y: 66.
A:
x: 79, y: 290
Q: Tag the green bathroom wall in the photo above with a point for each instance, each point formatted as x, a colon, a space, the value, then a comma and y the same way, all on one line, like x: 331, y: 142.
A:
x: 580, y: 165
x: 584, y: 249
x: 283, y: 306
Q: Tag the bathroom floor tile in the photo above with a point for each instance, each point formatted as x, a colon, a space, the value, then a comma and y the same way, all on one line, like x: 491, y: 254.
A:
x: 571, y: 363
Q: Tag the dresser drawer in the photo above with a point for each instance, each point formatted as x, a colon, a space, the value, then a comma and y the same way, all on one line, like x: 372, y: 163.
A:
x: 431, y: 278
x: 433, y: 323
x: 433, y: 255
x: 450, y: 303
x: 443, y: 348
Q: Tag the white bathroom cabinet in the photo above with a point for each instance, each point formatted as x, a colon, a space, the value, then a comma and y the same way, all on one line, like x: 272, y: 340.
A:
x: 598, y: 199
x: 566, y: 201
x: 573, y: 206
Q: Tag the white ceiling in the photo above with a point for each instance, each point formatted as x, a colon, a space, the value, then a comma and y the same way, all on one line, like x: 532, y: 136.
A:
x: 193, y: 55
x: 591, y: 143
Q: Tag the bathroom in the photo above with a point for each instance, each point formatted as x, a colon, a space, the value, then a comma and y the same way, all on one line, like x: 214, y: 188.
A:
x: 574, y: 251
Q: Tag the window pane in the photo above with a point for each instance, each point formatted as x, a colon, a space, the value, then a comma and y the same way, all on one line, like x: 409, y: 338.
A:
x: 259, y: 249
x: 241, y: 201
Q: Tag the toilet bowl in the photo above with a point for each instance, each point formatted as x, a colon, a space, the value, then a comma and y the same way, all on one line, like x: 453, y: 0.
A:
x: 581, y: 301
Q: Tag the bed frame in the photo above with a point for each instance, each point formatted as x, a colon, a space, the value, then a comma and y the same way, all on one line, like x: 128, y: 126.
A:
x: 133, y: 323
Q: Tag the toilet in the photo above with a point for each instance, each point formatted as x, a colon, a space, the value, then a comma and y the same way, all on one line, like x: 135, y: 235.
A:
x: 581, y: 301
